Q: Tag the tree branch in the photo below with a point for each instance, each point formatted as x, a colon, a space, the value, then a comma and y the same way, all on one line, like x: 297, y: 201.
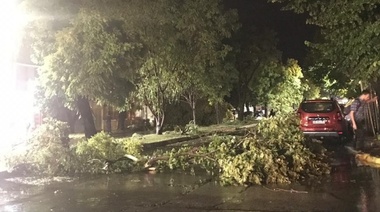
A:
x: 190, y: 154
x: 285, y: 190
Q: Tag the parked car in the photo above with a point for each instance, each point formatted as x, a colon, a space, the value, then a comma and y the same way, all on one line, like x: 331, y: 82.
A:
x: 324, y: 119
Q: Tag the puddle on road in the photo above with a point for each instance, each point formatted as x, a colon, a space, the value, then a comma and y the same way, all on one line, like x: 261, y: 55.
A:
x: 350, y: 177
x: 98, y: 193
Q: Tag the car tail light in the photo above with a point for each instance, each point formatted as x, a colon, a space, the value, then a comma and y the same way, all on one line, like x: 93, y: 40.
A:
x: 339, y: 116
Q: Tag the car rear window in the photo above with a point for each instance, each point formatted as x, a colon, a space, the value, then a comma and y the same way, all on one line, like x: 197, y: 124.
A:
x: 317, y: 107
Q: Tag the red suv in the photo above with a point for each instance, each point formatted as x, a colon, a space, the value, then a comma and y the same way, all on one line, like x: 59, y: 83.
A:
x: 323, y: 118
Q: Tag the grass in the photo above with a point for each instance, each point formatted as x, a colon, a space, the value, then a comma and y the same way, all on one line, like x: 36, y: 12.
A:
x: 218, y: 128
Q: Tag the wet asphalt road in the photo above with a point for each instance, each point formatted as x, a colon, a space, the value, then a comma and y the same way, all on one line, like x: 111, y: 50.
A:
x: 351, y: 188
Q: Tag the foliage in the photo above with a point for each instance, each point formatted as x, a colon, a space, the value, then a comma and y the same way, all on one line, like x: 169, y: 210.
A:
x: 275, y: 152
x: 191, y: 128
x: 229, y: 116
x: 207, y: 113
x: 280, y: 86
x: 207, y: 73
x: 191, y: 63
x: 347, y: 48
x: 270, y: 76
x: 85, y: 55
x: 289, y: 91
x: 312, y: 91
x: 47, y: 151
x: 180, y: 114
x: 103, y: 153
x: 82, y: 67
x: 211, y: 113
x: 254, y: 53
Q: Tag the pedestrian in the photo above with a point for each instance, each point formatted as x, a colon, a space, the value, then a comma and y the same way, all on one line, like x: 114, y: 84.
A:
x: 357, y: 117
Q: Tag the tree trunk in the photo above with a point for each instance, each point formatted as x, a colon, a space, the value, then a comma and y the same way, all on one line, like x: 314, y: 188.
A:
x: 72, y: 120
x: 121, y: 120
x: 241, y: 110
x: 108, y: 127
x: 159, y: 124
x: 217, y: 113
x: 86, y: 116
x: 242, y: 100
x: 266, y: 109
x: 193, y: 105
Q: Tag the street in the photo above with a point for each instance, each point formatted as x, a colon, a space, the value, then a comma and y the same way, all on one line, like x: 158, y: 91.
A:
x: 351, y: 188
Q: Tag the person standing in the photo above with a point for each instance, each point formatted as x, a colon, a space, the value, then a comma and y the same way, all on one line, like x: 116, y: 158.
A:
x: 357, y: 117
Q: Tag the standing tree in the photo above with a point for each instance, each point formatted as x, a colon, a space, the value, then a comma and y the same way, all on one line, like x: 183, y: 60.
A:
x: 280, y: 86
x: 91, y: 60
x: 347, y: 50
x: 212, y: 84
x: 205, y: 74
x: 289, y: 92
x: 155, y: 80
x: 183, y: 41
x: 270, y: 77
x: 254, y: 50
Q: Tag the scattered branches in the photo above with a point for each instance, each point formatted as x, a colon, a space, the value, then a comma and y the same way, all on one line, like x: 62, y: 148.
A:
x: 274, y: 152
x: 285, y: 190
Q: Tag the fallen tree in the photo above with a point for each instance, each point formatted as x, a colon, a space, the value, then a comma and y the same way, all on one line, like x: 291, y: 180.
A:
x: 275, y: 151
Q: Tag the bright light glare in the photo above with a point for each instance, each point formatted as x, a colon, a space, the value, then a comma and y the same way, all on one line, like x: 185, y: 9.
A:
x: 16, y: 106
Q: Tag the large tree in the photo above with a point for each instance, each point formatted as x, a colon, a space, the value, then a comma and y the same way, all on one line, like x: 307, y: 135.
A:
x: 254, y: 50
x: 269, y: 78
x: 281, y: 86
x: 211, y: 84
x: 206, y: 72
x: 288, y: 93
x: 347, y: 49
x: 183, y: 44
x: 90, y: 59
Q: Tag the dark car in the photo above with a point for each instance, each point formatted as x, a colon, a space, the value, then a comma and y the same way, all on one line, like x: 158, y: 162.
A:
x: 323, y: 119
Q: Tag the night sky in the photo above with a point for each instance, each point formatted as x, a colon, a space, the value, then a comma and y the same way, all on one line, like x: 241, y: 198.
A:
x: 291, y: 29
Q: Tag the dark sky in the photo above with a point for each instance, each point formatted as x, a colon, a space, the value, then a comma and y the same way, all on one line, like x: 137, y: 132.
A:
x: 291, y: 29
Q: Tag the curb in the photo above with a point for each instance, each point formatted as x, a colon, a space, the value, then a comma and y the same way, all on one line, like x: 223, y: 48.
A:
x: 365, y: 158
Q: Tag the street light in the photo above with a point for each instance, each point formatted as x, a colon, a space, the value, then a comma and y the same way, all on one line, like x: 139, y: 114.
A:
x: 12, y: 24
